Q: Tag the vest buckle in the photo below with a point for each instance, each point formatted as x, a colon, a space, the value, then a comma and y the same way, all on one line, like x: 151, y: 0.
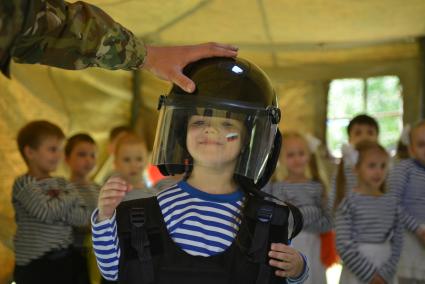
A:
x: 137, y: 217
x: 265, y: 214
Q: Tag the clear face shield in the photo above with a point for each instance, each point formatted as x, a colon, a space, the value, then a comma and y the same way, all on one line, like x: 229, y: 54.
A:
x: 217, y: 137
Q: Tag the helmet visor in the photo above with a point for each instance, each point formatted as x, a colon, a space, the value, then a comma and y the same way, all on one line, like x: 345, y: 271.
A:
x: 214, y: 136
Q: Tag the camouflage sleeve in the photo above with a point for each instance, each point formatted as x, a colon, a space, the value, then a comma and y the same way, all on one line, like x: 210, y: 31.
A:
x: 75, y: 36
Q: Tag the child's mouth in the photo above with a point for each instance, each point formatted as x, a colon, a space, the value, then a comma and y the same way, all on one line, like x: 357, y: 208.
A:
x: 210, y: 142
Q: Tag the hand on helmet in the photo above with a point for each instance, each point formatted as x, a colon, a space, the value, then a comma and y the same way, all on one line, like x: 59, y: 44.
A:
x: 168, y: 62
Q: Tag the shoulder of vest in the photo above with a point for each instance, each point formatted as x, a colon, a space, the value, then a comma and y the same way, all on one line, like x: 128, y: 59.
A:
x: 256, y: 206
x: 148, y: 205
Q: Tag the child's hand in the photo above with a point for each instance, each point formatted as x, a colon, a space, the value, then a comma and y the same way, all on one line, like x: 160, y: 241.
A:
x: 377, y: 279
x: 287, y: 259
x: 420, y: 232
x: 110, y: 196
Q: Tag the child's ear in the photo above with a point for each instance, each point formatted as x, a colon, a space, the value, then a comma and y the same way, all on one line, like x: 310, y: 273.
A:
x: 111, y: 148
x: 28, y: 152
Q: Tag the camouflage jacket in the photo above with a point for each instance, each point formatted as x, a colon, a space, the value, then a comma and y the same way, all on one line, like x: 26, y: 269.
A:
x: 65, y: 35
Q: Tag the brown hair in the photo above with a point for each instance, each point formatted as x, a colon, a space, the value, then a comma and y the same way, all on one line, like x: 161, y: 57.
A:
x: 313, y: 164
x: 75, y: 139
x: 129, y: 139
x: 340, y: 184
x: 118, y: 130
x: 33, y: 134
x: 402, y: 151
x: 363, y: 119
x: 362, y: 147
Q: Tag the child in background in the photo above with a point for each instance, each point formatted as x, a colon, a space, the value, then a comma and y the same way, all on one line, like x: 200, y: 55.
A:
x: 369, y: 232
x: 80, y: 156
x: 46, y: 209
x: 361, y: 128
x: 105, y: 170
x: 309, y: 195
x: 197, y: 229
x: 130, y: 160
x: 407, y: 183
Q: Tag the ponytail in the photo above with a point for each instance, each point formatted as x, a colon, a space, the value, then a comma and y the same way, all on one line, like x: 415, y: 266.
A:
x: 340, y: 185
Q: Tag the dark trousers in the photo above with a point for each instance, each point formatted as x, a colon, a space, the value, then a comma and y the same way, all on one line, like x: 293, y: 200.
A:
x: 53, y: 268
x: 80, y: 266
x: 104, y: 281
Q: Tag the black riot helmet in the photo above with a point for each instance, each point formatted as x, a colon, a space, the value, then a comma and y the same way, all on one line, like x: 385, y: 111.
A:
x: 227, y: 88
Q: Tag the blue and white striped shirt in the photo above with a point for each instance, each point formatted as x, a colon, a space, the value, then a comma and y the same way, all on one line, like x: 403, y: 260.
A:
x: 368, y: 219
x: 200, y: 223
x: 407, y: 183
x: 307, y: 196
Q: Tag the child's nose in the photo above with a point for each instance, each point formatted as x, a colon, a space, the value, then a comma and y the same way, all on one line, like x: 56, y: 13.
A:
x: 210, y: 128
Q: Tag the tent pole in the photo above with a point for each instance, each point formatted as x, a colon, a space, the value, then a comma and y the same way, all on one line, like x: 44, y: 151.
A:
x: 422, y: 76
x: 136, y: 102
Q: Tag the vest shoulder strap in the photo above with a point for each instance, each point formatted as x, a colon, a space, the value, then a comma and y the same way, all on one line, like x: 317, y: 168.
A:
x: 133, y: 217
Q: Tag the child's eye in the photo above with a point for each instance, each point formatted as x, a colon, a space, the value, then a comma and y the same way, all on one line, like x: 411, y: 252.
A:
x: 81, y: 154
x: 126, y: 160
x: 227, y: 124
x: 198, y: 123
x: 372, y: 165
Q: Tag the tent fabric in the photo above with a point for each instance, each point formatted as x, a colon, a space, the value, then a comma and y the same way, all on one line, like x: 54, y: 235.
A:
x: 302, y: 45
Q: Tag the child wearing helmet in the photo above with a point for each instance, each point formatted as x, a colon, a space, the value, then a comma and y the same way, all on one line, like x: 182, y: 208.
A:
x: 215, y: 225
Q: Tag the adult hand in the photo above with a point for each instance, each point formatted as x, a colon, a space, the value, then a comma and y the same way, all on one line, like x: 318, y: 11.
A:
x: 287, y: 259
x: 168, y: 62
x: 377, y: 279
x: 110, y: 196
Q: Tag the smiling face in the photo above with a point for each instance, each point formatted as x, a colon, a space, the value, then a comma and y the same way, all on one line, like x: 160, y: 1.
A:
x: 214, y: 141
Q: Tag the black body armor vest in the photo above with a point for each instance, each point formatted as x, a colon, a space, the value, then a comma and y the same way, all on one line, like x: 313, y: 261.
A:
x: 149, y: 255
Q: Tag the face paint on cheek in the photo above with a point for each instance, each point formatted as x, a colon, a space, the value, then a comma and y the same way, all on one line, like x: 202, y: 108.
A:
x: 232, y: 137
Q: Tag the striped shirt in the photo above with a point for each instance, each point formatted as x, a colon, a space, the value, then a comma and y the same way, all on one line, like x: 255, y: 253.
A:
x: 350, y: 183
x: 368, y: 219
x: 45, y: 212
x: 89, y: 193
x: 407, y: 183
x: 202, y: 224
x: 307, y: 196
